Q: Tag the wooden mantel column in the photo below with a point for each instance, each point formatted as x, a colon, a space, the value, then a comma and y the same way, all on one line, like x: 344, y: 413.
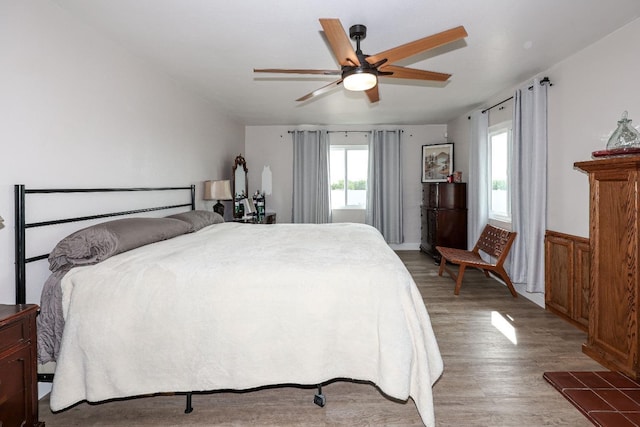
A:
x: 614, y: 236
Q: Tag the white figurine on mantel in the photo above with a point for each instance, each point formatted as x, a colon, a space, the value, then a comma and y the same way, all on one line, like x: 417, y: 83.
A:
x: 625, y: 136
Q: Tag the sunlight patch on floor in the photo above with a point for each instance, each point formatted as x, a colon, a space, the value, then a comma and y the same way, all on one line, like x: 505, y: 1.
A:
x: 504, y: 326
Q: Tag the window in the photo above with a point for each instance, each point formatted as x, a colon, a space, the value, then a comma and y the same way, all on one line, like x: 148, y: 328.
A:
x: 349, y: 165
x: 499, y: 154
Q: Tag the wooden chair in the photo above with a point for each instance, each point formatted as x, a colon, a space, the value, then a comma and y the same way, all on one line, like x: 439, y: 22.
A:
x: 493, y: 241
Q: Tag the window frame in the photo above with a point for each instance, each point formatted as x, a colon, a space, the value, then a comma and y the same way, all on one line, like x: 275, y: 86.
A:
x: 499, y: 128
x: 346, y: 148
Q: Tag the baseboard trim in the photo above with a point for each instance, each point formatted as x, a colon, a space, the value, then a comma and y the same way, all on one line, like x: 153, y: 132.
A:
x: 405, y: 246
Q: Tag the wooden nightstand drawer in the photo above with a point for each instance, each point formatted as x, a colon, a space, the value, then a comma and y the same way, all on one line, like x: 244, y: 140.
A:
x: 18, y: 384
x: 13, y: 334
x: 14, y: 382
x: 10, y: 372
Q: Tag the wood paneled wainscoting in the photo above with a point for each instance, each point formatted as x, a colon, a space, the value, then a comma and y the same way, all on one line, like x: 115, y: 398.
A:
x: 567, y: 261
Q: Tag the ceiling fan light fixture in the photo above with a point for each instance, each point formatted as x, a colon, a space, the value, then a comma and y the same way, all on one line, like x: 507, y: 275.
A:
x: 359, y: 80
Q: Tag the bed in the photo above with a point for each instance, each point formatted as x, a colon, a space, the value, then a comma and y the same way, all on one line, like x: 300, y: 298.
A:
x: 238, y: 306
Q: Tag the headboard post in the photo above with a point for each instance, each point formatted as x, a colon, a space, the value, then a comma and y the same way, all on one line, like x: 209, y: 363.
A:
x: 21, y: 294
x: 193, y: 197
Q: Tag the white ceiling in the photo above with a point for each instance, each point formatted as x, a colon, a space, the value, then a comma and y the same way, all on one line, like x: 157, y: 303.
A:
x: 213, y: 46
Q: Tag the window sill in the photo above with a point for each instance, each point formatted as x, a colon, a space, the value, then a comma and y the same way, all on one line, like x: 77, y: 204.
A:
x: 502, y: 223
x: 349, y: 208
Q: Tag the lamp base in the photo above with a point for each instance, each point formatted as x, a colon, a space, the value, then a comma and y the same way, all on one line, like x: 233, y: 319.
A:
x: 219, y: 208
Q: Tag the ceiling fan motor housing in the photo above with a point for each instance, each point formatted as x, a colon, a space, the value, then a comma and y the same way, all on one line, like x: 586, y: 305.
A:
x: 358, y: 32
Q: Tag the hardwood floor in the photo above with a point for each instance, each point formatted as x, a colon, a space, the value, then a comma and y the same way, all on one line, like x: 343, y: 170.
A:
x: 491, y: 378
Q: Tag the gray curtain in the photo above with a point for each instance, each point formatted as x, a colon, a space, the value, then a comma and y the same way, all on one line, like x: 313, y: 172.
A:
x: 529, y: 195
x: 384, y: 185
x: 478, y: 174
x: 311, y: 190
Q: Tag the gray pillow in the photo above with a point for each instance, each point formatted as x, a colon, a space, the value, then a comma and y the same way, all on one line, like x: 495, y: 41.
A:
x: 198, y: 219
x: 101, y: 241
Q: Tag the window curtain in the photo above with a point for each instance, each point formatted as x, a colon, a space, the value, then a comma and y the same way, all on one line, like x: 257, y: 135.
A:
x: 478, y: 186
x: 311, y: 190
x: 529, y: 194
x: 384, y: 185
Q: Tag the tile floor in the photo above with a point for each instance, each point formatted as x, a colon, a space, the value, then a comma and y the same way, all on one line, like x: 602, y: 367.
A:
x: 608, y: 399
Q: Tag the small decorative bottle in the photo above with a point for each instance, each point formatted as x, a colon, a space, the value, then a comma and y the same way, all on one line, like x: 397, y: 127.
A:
x: 625, y: 136
x: 258, y: 201
x: 261, y: 206
x: 238, y: 205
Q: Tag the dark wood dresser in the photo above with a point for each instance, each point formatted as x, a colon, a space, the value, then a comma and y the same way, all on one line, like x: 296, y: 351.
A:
x: 18, y: 375
x: 614, y: 236
x: 443, y: 217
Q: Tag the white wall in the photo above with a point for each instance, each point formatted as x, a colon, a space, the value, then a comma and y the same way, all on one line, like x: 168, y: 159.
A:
x: 590, y: 91
x: 272, y: 145
x: 79, y: 110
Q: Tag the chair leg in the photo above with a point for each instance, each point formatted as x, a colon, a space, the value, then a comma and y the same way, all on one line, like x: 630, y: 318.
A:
x: 507, y: 280
x: 443, y: 262
x: 459, y: 279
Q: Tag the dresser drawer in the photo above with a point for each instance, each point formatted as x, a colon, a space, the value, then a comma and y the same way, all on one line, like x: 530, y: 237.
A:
x: 13, y: 334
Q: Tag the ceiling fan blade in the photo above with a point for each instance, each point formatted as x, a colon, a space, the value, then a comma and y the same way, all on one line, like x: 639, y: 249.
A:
x: 294, y: 71
x: 373, y: 94
x: 415, y: 47
x: 320, y: 91
x: 412, y: 73
x: 339, y: 41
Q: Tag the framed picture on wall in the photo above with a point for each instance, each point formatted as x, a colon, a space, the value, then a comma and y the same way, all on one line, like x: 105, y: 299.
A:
x: 437, y: 162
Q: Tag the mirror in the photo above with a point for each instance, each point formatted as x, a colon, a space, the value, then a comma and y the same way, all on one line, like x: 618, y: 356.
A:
x: 239, y: 178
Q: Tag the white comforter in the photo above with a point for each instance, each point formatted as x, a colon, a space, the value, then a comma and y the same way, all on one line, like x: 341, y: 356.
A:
x: 236, y: 306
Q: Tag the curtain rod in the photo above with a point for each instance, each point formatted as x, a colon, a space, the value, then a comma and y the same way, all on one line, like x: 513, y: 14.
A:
x: 342, y: 131
x: 495, y: 105
x: 542, y: 82
x: 329, y: 131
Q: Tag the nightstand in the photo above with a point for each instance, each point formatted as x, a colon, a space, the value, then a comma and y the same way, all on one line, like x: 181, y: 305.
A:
x: 18, y: 370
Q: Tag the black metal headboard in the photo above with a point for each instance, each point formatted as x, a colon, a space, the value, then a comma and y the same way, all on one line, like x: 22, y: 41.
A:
x: 21, y: 225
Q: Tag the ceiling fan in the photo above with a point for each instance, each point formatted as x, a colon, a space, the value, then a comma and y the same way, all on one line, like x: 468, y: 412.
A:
x: 360, y: 72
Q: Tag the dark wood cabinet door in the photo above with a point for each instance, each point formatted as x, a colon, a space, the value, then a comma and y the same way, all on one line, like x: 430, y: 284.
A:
x: 446, y: 227
x: 443, y: 217
x: 444, y: 195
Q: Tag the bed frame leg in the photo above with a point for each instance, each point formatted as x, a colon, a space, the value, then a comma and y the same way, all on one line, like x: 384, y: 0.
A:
x: 189, y: 408
x: 319, y: 398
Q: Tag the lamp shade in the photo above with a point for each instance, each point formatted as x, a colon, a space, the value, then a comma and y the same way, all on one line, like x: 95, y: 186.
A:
x: 217, y: 190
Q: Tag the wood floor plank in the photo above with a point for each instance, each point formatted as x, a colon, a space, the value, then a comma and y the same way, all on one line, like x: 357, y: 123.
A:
x: 489, y: 379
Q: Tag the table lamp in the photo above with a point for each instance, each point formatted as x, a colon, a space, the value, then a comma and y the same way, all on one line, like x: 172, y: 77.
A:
x: 217, y: 190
